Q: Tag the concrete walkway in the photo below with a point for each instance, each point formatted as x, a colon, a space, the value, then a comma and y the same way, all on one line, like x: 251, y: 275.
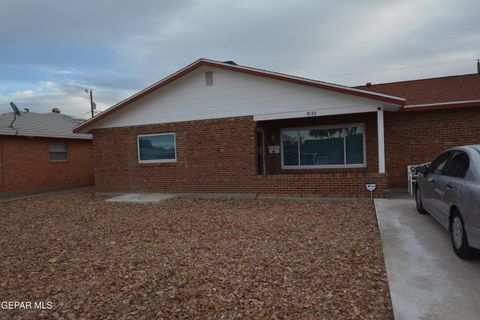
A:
x: 142, y: 198
x: 426, y: 279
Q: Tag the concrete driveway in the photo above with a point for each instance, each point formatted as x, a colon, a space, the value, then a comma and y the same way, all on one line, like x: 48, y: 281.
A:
x: 427, y: 280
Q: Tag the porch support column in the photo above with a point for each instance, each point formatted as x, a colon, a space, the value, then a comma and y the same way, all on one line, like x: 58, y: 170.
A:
x: 381, y: 141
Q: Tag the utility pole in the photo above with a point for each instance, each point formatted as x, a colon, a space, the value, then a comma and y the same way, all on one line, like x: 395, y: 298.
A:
x: 92, y: 104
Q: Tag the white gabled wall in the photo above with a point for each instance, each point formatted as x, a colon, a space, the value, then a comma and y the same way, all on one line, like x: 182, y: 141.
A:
x: 232, y: 94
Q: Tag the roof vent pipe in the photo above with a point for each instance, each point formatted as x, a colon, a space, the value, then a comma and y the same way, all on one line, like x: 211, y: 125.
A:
x: 478, y: 66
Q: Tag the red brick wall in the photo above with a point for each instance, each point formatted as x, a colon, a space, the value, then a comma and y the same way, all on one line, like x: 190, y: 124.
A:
x: 332, y: 184
x: 418, y: 136
x: 212, y: 156
x: 25, y: 164
x: 216, y: 156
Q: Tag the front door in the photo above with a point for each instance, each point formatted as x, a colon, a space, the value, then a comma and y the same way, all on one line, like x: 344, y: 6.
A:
x: 261, y: 152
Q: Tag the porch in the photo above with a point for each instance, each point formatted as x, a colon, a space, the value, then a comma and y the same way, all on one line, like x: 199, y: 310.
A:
x: 327, y: 155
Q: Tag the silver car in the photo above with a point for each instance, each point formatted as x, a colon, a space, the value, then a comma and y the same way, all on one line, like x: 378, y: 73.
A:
x: 449, y: 189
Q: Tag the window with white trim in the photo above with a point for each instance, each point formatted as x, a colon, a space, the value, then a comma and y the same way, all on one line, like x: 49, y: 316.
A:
x: 58, y: 151
x: 157, y: 148
x: 323, y: 147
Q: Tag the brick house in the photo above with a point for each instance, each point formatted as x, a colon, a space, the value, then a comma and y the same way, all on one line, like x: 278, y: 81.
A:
x: 216, y: 127
x: 39, y: 151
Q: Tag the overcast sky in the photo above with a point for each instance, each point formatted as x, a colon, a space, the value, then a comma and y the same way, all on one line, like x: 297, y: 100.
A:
x: 50, y: 51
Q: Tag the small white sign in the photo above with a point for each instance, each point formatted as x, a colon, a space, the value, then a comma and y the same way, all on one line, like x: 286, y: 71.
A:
x: 371, y: 186
x: 274, y: 149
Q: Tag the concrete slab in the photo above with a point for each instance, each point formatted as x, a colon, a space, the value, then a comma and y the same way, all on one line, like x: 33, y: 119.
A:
x: 427, y: 280
x: 142, y: 198
x: 218, y: 196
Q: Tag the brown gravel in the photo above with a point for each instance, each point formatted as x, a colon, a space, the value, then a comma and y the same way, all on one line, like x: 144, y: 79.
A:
x: 195, y: 259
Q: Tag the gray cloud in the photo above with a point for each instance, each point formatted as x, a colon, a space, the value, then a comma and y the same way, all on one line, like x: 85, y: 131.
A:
x: 119, y: 47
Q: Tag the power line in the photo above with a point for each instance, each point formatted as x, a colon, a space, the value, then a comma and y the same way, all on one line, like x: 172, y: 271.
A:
x: 395, y: 69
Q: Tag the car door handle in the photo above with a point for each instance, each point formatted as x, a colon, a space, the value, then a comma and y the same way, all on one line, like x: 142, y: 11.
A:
x: 449, y: 186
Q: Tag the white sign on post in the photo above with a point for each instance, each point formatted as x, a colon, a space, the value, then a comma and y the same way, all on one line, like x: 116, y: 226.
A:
x: 370, y: 187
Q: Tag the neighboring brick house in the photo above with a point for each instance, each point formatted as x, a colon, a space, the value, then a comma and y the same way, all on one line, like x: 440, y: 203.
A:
x: 439, y: 113
x: 216, y: 127
x: 39, y: 151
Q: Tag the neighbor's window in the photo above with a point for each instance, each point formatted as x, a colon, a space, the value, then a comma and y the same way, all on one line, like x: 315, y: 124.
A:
x: 157, y: 148
x: 58, y: 151
x: 321, y: 147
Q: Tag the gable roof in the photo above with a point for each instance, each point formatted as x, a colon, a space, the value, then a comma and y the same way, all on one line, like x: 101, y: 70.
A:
x: 434, y: 93
x: 32, y: 124
x: 388, y: 99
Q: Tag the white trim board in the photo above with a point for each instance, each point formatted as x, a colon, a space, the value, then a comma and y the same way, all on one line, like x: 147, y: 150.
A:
x: 315, y: 113
x: 408, y: 106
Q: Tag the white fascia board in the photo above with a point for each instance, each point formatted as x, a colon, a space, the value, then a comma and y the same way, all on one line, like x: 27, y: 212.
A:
x: 46, y: 135
x: 314, y: 113
x: 439, y: 104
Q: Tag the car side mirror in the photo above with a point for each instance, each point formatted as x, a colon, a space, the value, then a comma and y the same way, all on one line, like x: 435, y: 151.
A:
x: 423, y: 169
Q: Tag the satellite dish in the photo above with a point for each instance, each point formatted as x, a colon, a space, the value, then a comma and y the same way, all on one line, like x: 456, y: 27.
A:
x: 16, y: 113
x: 15, y: 109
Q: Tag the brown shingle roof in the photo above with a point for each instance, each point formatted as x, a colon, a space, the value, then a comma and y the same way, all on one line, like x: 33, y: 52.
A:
x: 434, y: 90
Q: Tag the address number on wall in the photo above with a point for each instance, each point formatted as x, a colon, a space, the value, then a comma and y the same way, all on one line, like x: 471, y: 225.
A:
x: 311, y: 113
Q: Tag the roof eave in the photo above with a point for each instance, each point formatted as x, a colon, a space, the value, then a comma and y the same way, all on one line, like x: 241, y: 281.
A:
x: 46, y: 135
x: 441, y: 105
x: 392, y: 100
x: 309, y: 82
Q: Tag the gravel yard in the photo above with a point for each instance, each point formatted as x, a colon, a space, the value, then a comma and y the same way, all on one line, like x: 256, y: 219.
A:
x: 194, y: 259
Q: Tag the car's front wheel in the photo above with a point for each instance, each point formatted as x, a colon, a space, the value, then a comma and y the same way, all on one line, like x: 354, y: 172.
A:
x: 459, y: 237
x: 418, y: 201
